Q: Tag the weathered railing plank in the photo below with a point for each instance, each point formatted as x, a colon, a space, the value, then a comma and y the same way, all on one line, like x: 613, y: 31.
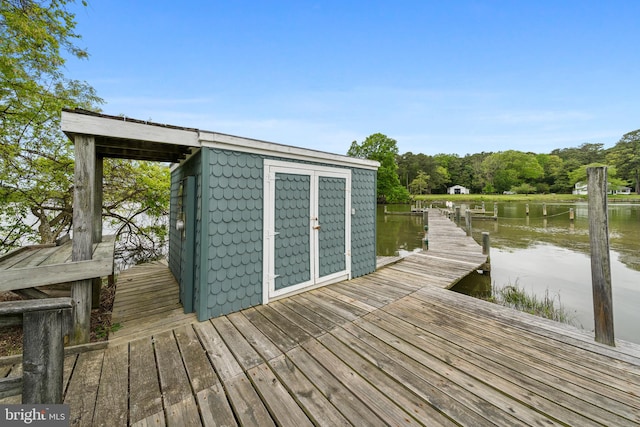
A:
x: 45, y: 323
x: 20, y: 278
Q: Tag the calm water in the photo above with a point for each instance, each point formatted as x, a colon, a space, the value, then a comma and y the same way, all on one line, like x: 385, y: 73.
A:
x: 541, y: 254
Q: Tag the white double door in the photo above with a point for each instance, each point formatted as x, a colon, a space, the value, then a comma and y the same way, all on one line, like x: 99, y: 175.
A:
x: 307, y: 227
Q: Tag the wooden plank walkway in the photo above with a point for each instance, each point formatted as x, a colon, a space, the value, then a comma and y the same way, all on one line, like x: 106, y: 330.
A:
x: 147, y: 301
x: 390, y: 348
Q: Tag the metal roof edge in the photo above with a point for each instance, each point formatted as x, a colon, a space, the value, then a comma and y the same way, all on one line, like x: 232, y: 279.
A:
x: 250, y: 145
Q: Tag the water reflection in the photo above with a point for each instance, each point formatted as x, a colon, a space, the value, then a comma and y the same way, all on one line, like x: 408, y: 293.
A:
x: 551, y: 252
x: 397, y: 231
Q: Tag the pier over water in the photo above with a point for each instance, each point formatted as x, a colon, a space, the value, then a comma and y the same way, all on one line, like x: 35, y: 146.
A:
x: 394, y: 347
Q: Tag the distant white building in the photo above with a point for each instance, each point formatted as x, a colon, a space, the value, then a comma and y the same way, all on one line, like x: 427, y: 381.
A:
x: 457, y: 189
x: 621, y: 190
x: 581, y: 188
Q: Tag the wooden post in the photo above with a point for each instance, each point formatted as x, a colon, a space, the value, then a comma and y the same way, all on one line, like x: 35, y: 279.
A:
x: 486, y: 246
x: 571, y: 215
x: 495, y: 210
x: 600, y: 261
x: 457, y: 214
x: 83, y: 221
x: 96, y: 283
x: 544, y: 209
x: 425, y: 222
x: 486, y: 250
x: 385, y: 208
x: 43, y: 356
x: 526, y: 209
x: 467, y: 217
x: 45, y: 323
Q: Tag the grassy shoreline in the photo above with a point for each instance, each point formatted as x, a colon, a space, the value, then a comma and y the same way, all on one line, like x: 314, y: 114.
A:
x: 541, y: 198
x: 546, y: 306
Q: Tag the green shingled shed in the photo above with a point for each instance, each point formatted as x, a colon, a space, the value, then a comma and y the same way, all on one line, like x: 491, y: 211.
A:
x: 250, y: 221
x: 258, y: 221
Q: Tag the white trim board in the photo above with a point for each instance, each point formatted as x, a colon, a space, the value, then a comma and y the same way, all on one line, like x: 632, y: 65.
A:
x: 120, y: 128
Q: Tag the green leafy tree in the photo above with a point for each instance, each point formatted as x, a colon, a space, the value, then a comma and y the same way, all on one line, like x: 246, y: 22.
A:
x: 420, y: 184
x: 383, y: 149
x: 136, y: 205
x: 36, y: 158
x: 580, y: 175
x: 507, y: 169
x: 410, y: 165
x: 555, y: 175
x: 585, y: 154
x: 524, y: 188
x: 469, y: 172
x: 451, y: 167
x: 625, y: 155
x: 439, y: 179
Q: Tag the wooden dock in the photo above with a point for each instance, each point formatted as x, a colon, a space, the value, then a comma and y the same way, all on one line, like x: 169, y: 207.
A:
x: 391, y: 348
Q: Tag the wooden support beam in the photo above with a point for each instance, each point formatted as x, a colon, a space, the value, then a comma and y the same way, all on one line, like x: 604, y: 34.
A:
x: 83, y: 222
x: 96, y: 283
x: 97, y: 200
x: 600, y: 258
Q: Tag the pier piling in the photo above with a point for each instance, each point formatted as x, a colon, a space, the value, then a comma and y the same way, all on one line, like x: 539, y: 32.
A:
x: 600, y: 260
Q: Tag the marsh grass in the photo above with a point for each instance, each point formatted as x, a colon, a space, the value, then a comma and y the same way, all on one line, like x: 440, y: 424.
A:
x: 548, y: 306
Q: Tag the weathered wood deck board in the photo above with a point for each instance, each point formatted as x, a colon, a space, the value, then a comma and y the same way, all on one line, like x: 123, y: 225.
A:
x: 517, y: 375
x: 112, y: 400
x: 332, y: 389
x: 395, y: 391
x: 246, y: 355
x: 509, y: 326
x: 393, y: 347
x: 145, y: 400
x: 83, y: 387
x: 316, y: 405
x: 147, y: 301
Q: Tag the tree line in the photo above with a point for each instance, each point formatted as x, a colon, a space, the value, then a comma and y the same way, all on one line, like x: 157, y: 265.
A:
x: 403, y: 175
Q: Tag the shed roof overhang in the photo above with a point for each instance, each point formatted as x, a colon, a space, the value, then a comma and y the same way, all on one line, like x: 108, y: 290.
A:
x: 123, y: 137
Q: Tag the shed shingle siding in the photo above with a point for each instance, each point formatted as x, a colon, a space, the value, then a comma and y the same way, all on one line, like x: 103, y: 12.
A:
x: 292, y: 256
x: 363, y: 222
x: 233, y: 232
x: 229, y: 230
x: 331, y: 208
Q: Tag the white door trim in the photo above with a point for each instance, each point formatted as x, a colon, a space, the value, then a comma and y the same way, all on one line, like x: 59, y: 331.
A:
x: 271, y: 168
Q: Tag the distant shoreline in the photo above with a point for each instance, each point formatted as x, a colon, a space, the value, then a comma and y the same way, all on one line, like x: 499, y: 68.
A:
x: 542, y: 198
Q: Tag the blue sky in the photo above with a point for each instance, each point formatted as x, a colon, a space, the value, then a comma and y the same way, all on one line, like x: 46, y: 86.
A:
x: 438, y: 76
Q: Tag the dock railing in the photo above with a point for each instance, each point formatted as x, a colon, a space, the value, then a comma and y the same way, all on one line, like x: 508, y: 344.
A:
x: 45, y: 322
